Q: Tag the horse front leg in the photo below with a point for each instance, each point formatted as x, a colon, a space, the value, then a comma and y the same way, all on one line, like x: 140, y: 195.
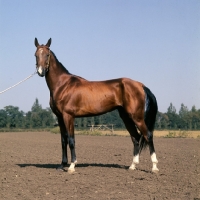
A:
x: 69, y: 124
x: 64, y: 142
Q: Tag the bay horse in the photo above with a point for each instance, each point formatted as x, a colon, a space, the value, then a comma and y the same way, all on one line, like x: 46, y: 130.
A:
x: 72, y: 96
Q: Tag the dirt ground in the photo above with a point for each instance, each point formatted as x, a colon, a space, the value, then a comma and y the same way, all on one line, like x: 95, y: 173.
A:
x: 29, y: 160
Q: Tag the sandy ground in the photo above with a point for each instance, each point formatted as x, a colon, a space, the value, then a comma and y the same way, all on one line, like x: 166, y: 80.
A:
x: 29, y: 160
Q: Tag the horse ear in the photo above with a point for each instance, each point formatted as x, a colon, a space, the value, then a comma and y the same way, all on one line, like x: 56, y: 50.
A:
x: 48, y: 43
x: 36, y: 42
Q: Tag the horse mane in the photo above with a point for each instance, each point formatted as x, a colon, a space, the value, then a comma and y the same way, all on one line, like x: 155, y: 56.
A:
x: 61, y: 65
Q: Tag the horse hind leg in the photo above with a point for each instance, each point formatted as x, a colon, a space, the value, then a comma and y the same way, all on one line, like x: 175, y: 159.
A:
x: 135, y: 136
x: 149, y: 135
x: 153, y: 157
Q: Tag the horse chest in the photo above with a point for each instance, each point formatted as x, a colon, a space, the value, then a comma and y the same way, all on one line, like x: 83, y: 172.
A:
x: 60, y: 104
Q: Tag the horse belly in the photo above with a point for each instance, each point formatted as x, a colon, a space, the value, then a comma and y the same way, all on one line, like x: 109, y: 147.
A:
x: 95, y: 104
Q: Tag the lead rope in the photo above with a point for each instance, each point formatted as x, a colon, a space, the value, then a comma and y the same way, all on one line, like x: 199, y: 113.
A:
x: 18, y: 83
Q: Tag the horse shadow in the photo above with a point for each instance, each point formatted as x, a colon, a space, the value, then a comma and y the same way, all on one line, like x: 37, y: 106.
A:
x: 81, y: 165
x: 51, y: 166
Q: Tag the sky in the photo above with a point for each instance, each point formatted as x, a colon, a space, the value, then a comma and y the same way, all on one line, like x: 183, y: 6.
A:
x: 155, y: 42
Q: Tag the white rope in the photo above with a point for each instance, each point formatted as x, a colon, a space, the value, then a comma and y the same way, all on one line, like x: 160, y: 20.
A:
x: 18, y: 83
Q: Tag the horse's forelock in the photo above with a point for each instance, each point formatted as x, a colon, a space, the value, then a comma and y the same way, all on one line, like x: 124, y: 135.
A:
x: 42, y: 46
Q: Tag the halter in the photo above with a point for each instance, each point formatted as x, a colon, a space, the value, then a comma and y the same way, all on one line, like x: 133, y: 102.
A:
x: 48, y: 61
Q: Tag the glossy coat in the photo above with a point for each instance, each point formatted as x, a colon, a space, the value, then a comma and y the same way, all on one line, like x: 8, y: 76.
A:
x: 72, y: 96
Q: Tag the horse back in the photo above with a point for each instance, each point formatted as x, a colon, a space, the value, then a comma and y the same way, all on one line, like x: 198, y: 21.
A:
x: 80, y: 97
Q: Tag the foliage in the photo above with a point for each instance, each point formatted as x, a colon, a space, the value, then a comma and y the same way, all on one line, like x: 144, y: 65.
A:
x: 184, y: 120
x: 108, y: 118
x: 12, y: 118
x: 38, y: 118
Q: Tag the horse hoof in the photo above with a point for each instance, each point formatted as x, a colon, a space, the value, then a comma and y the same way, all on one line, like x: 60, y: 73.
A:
x: 71, y: 168
x: 155, y: 170
x: 132, y: 168
x: 71, y: 171
x: 61, y: 167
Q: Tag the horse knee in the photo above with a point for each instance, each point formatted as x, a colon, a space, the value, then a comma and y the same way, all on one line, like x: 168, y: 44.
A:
x: 64, y: 140
x: 71, y: 142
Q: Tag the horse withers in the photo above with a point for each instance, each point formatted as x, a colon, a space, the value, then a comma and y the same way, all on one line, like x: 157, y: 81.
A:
x: 72, y: 96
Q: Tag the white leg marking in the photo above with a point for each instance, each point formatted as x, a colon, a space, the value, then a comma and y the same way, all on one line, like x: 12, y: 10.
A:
x: 154, y: 161
x: 72, y: 167
x: 135, y: 161
x: 132, y: 167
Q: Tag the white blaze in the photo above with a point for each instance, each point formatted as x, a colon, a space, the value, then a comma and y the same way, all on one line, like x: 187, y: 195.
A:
x: 40, y: 70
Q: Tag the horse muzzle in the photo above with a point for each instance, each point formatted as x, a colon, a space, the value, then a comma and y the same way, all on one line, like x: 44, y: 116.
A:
x: 41, y: 71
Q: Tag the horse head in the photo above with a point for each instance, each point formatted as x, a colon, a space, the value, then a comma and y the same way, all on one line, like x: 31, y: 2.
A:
x: 42, y: 55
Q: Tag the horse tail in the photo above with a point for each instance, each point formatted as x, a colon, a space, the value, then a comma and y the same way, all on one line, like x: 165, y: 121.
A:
x: 151, y: 109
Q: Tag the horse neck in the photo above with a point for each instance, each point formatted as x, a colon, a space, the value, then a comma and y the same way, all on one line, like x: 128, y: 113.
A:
x: 56, y: 70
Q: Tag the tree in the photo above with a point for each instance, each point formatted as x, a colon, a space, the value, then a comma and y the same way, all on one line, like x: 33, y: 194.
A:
x: 15, y: 118
x: 40, y: 118
x: 195, y: 118
x: 162, y: 121
x: 47, y: 117
x: 3, y: 119
x: 171, y: 109
x: 12, y: 117
x: 28, y: 120
x: 173, y: 117
x: 36, y: 106
x: 84, y: 122
x: 183, y: 111
x: 77, y: 122
x: 185, y: 122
